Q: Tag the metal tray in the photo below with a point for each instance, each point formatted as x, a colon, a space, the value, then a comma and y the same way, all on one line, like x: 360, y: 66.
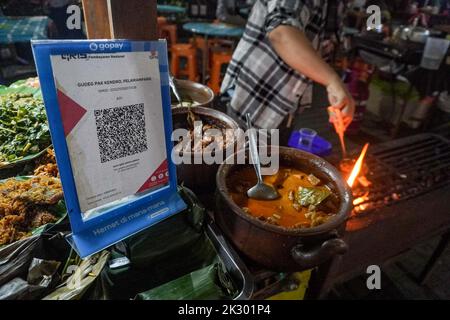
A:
x: 231, y: 261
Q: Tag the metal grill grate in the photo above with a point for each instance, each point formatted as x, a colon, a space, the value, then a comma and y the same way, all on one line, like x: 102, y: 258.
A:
x: 404, y: 169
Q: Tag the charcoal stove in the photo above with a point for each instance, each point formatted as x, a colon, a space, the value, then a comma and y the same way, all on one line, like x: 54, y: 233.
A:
x: 406, y: 204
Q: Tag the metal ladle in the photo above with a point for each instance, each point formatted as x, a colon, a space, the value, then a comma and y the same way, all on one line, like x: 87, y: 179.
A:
x: 175, y: 89
x: 261, y: 191
x: 190, y: 116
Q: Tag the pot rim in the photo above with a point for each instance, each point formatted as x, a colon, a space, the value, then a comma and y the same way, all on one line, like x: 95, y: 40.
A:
x: 343, y: 191
x: 186, y: 84
x: 229, y: 122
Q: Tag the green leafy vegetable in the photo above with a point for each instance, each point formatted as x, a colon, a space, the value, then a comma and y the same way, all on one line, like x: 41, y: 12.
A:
x: 307, y: 196
x: 23, y: 127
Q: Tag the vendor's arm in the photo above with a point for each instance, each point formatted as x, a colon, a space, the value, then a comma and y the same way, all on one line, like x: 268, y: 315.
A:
x: 284, y: 27
x: 296, y: 51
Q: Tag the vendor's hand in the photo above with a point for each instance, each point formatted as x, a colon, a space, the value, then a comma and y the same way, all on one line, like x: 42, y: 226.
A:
x: 340, y: 98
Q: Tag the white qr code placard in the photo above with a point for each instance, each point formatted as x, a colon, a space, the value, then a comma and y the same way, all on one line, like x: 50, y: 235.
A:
x: 113, y: 121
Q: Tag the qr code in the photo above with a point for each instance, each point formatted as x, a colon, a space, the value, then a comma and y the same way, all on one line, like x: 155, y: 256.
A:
x: 121, y: 132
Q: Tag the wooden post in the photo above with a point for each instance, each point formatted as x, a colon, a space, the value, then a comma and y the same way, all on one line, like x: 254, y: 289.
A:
x: 96, y: 19
x: 119, y: 19
x: 132, y: 19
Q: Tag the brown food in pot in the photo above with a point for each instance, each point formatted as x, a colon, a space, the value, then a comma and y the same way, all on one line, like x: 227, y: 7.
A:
x: 206, y: 140
x: 293, y: 209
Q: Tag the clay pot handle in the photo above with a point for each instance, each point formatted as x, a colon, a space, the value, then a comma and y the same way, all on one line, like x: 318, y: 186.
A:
x: 318, y: 255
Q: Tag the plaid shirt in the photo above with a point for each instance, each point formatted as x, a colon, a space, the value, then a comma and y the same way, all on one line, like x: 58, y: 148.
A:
x: 264, y: 85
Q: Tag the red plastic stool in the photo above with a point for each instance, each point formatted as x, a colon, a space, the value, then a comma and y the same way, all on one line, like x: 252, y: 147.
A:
x: 187, y: 51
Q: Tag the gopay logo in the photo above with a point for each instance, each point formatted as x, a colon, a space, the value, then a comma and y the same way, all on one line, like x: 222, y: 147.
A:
x: 105, y: 46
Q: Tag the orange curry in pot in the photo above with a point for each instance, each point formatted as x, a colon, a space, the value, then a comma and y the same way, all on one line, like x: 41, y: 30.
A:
x: 304, y: 200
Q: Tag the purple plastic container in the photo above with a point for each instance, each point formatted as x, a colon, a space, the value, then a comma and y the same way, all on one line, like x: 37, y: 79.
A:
x: 320, y: 146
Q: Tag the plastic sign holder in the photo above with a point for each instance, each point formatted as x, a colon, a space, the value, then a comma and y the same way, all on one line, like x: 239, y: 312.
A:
x: 109, y: 113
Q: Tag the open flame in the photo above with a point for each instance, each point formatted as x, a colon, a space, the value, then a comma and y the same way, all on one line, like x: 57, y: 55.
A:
x: 358, y: 165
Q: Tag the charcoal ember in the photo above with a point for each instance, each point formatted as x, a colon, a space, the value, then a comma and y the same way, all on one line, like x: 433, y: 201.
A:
x: 395, y: 196
x: 364, y: 181
x: 358, y: 193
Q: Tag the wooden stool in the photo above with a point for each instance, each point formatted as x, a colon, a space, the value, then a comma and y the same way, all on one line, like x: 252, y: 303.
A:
x: 188, y: 51
x: 218, y: 59
x: 169, y: 32
x: 161, y: 21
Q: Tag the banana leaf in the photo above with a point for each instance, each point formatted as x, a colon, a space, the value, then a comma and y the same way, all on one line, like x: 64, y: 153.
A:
x: 42, y: 275
x: 16, y: 261
x: 20, y: 86
x: 204, y: 284
x: 83, y: 277
x: 12, y: 164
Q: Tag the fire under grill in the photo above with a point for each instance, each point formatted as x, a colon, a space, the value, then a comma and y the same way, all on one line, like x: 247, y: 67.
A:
x: 403, y: 169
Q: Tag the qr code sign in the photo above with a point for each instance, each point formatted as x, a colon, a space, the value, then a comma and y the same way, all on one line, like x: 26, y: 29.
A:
x: 121, y: 131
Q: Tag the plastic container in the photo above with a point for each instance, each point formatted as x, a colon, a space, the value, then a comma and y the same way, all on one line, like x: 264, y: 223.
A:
x: 319, y: 146
x: 435, y: 51
x: 306, y: 138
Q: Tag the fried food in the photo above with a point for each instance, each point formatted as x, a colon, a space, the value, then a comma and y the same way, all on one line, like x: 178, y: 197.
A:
x: 40, y: 195
x: 26, y: 205
x: 47, y: 165
x: 49, y: 170
x: 40, y: 217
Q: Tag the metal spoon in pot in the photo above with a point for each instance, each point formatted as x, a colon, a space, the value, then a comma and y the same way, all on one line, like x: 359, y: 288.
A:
x: 261, y: 191
x: 190, y: 116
